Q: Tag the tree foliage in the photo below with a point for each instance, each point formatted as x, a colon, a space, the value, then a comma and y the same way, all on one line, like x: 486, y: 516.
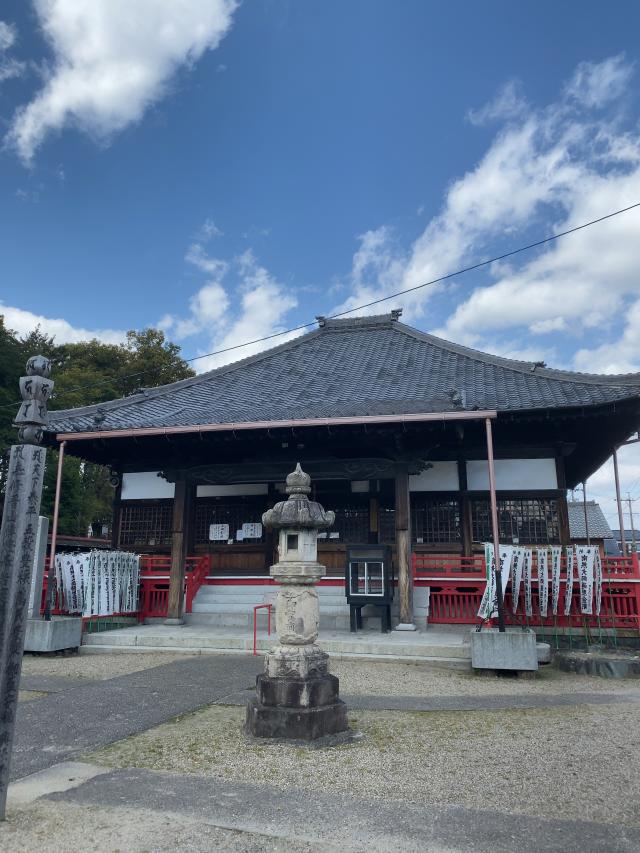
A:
x: 84, y: 373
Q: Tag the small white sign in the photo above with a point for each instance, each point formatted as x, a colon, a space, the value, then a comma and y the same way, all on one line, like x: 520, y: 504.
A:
x: 218, y: 532
x: 334, y: 535
x: 251, y: 530
x: 239, y: 536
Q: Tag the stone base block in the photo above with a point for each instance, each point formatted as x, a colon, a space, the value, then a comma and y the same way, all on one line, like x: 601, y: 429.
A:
x: 511, y: 650
x: 298, y: 692
x: 296, y: 662
x: 62, y: 632
x: 307, y: 724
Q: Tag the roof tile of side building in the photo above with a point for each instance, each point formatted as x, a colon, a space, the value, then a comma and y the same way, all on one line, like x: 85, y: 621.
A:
x: 598, y: 524
x: 362, y: 366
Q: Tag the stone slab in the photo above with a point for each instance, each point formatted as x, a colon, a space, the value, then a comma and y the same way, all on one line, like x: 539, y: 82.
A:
x: 62, y: 632
x: 307, y: 724
x: 345, y: 822
x: 601, y: 665
x: 512, y: 650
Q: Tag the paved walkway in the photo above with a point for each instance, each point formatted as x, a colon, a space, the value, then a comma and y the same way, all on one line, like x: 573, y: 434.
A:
x: 68, y: 722
x: 346, y: 824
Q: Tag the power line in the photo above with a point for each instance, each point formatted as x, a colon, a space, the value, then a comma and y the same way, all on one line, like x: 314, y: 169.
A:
x: 312, y: 323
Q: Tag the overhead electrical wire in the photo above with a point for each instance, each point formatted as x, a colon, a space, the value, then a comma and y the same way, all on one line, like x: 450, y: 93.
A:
x: 339, y: 314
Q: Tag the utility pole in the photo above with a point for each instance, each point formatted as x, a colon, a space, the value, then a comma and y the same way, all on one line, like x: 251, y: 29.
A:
x: 629, y: 501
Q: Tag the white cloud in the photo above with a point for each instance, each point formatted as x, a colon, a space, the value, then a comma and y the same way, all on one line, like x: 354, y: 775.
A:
x: 9, y: 67
x: 508, y: 103
x: 596, y: 84
x: 620, y: 356
x: 240, y: 302
x: 7, y: 35
x: 24, y: 322
x: 601, y: 486
x: 112, y: 59
x: 557, y: 164
x: 208, y: 230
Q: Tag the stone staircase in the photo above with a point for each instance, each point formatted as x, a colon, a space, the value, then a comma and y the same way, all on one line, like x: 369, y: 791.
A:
x: 231, y: 606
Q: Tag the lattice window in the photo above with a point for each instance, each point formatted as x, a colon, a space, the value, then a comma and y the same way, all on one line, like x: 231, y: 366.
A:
x: 387, y: 525
x: 234, y: 513
x: 352, y: 523
x: 527, y: 521
x: 434, y: 519
x: 145, y: 525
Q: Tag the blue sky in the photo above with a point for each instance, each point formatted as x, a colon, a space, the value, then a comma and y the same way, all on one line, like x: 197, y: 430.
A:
x: 227, y: 171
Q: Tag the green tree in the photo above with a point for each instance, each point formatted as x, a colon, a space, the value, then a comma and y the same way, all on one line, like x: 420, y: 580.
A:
x: 84, y: 373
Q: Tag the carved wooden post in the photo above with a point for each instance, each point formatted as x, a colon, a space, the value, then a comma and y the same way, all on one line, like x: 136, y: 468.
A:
x: 17, y: 547
x: 403, y: 550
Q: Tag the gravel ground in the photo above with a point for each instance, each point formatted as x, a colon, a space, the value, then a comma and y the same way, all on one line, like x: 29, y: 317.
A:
x: 61, y: 827
x: 97, y: 667
x: 361, y: 677
x: 577, y: 762
x: 379, y: 678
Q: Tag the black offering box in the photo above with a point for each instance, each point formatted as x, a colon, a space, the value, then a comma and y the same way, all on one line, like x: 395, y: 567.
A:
x: 369, y: 581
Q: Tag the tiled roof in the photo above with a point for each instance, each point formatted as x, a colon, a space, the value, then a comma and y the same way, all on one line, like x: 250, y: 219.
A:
x: 365, y: 366
x: 598, y: 525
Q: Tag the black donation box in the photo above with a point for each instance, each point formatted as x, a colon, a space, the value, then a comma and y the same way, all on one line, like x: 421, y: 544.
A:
x: 369, y: 580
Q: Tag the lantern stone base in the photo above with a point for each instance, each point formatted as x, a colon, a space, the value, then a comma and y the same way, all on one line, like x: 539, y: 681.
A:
x: 296, y: 709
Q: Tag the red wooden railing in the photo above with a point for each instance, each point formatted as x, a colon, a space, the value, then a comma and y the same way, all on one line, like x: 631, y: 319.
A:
x: 457, y: 583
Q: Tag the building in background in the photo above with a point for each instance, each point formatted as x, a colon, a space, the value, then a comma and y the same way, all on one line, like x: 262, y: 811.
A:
x: 393, y: 425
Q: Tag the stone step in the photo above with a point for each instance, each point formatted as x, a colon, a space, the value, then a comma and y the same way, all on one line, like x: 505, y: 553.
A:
x: 368, y: 643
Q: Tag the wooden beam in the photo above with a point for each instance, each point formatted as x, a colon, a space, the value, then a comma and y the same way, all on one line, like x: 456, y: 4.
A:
x: 179, y: 536
x: 403, y: 549
x: 466, y: 528
x: 563, y: 510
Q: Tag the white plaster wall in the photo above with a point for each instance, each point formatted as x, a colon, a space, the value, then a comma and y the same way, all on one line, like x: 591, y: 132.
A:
x: 442, y: 477
x: 232, y: 489
x: 145, y: 485
x: 513, y: 474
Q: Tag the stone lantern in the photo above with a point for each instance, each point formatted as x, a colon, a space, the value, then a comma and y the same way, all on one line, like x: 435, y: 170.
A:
x: 296, y: 696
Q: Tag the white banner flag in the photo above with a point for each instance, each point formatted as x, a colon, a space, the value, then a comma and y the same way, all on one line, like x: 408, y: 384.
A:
x: 598, y: 574
x: 489, y: 604
x: 556, y: 561
x: 526, y: 574
x: 570, y: 575
x: 543, y: 580
x: 586, y: 556
x: 516, y: 577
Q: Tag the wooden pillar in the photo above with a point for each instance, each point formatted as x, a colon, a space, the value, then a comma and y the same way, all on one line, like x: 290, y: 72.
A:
x: 179, y: 539
x: 466, y: 529
x: 374, y: 521
x: 403, y: 551
x: 116, y: 516
x: 563, y: 509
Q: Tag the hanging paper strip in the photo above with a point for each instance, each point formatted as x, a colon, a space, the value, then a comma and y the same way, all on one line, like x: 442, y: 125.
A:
x: 484, y: 611
x: 570, y: 577
x: 526, y: 574
x: 99, y: 582
x: 598, y: 583
x: 489, y: 604
x: 586, y: 556
x: 543, y: 580
x: 556, y: 562
x: 516, y: 577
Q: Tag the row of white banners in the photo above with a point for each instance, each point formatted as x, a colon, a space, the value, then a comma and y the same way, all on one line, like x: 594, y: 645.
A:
x: 99, y: 583
x: 584, y: 564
